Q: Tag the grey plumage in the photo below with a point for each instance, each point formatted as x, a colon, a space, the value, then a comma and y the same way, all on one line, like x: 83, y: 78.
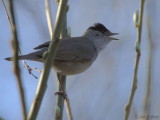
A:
x: 71, y: 49
x: 75, y: 55
x: 76, y: 51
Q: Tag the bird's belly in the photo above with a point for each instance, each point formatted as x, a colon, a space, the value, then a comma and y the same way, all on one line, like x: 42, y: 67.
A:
x: 71, y: 68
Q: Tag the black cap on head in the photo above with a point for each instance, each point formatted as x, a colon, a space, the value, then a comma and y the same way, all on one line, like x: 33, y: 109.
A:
x: 99, y: 27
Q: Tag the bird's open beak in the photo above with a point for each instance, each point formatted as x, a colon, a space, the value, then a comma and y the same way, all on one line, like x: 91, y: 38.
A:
x: 111, y: 38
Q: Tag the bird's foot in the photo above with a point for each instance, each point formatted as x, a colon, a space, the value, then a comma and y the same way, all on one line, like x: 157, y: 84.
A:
x: 62, y: 94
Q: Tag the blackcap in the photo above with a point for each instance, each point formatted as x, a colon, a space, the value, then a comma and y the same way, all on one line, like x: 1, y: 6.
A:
x: 76, y: 54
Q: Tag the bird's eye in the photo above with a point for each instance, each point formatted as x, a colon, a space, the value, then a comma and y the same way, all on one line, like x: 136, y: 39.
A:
x: 97, y: 35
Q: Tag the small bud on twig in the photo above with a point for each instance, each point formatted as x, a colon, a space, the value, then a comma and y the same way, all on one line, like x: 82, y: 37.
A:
x: 136, y: 18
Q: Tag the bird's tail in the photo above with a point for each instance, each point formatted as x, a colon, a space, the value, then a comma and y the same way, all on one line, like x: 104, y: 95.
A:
x: 9, y: 58
x: 25, y: 57
x: 34, y: 56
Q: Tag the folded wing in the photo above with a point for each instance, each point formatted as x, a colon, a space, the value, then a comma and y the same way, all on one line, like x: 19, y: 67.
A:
x: 73, y: 49
x: 76, y: 49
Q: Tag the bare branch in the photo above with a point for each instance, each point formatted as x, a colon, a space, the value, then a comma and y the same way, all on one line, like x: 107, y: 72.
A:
x: 69, y: 111
x: 61, y: 98
x: 48, y: 62
x: 61, y: 78
x: 15, y: 46
x: 49, y: 18
x: 24, y: 62
x: 138, y: 42
x: 147, y: 100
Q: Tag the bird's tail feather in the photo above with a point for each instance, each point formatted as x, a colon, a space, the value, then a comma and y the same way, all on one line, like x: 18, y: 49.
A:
x: 25, y: 57
x: 9, y: 58
x: 35, y: 56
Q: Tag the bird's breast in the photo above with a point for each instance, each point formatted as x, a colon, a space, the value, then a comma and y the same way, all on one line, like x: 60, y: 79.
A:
x: 71, y: 67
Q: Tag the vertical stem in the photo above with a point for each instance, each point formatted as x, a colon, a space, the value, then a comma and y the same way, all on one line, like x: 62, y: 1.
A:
x: 49, y: 18
x: 24, y: 62
x: 149, y: 67
x: 138, y: 42
x: 60, y: 99
x: 15, y: 46
x: 42, y: 85
x: 68, y: 109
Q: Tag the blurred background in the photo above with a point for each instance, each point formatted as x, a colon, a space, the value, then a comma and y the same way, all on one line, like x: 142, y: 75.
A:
x: 102, y: 92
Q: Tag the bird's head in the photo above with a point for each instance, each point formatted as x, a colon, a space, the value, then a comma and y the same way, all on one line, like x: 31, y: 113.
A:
x: 100, y: 35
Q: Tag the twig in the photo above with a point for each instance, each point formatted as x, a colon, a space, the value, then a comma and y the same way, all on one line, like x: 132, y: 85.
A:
x: 61, y: 78
x: 24, y: 62
x: 69, y: 111
x: 16, y: 68
x: 62, y: 84
x: 149, y: 67
x: 7, y: 15
x: 49, y: 18
x: 138, y: 42
x: 42, y: 85
x: 60, y: 98
x: 28, y: 67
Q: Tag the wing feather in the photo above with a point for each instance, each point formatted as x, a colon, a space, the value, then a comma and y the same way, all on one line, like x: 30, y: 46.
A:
x: 73, y: 49
x: 76, y: 49
x: 46, y: 44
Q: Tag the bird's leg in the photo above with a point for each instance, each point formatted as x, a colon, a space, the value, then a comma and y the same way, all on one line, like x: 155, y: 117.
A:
x: 62, y: 91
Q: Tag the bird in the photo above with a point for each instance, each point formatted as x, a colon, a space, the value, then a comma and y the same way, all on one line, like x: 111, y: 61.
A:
x: 76, y: 54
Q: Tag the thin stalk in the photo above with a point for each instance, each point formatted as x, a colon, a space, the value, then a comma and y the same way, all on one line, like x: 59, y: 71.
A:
x: 149, y: 72
x: 24, y: 62
x: 42, y: 85
x: 15, y: 46
x: 62, y: 78
x: 62, y: 86
x: 49, y: 18
x: 69, y: 111
x: 138, y: 42
x: 60, y: 99
x: 64, y: 34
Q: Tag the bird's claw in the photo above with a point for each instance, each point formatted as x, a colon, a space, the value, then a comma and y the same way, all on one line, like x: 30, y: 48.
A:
x: 62, y: 94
